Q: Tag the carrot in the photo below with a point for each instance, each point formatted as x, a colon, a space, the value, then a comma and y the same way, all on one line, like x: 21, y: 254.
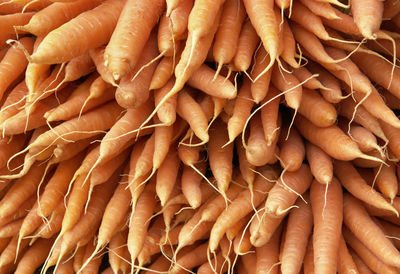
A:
x: 9, y: 146
x: 8, y: 22
x: 258, y: 152
x: 302, y: 74
x: 361, y: 266
x: 247, y: 43
x: 190, y: 182
x: 11, y: 229
x: 97, y: 56
x: 10, y: 252
x: 133, y: 89
x: 117, y: 249
x: 346, y: 263
x: 260, y: 87
x: 391, y: 133
x: 124, y: 49
x: 13, y: 101
x: 289, y: 49
x: 220, y: 156
x: 227, y: 36
x: 367, y: 17
x: 285, y: 81
x: 196, y: 257
x: 93, y: 265
x: 164, y: 71
x: 320, y: 164
x: 55, y: 15
x: 166, y: 40
x: 358, y: 221
x: 362, y: 117
x: 298, y: 230
x: 355, y: 184
x: 292, y: 150
x: 13, y: 7
x: 240, y: 207
x: 308, y: 264
x: 166, y: 176
x: 203, y: 79
x: 14, y: 63
x: 241, y: 111
x: 284, y: 193
x: 193, y: 55
x: 50, y: 229
x: 70, y: 150
x: 267, y: 255
x: 327, y: 211
x: 386, y: 180
x: 151, y: 245
x: 246, y: 169
x: 34, y: 256
x: 320, y: 112
x: 167, y: 112
x: 191, y: 111
x: 322, y: 9
x: 141, y: 215
x: 326, y: 138
x: 365, y: 139
x: 262, y: 17
x: 97, y: 24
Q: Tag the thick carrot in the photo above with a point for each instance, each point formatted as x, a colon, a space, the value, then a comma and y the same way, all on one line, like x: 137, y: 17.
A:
x: 240, y: 207
x: 34, y: 256
x: 203, y: 79
x: 320, y: 112
x: 14, y: 63
x: 247, y: 44
x: 125, y: 46
x: 14, y: 101
x: 241, y: 111
x: 322, y: 9
x: 327, y: 211
x: 260, y: 87
x: 220, y: 156
x: 367, y: 16
x: 386, y: 180
x: 88, y: 30
x: 166, y: 176
x: 190, y: 182
x: 284, y: 193
x: 365, y: 139
x: 56, y: 15
x: 268, y: 255
x: 166, y: 112
x: 346, y: 263
x: 298, y: 230
x: 392, y: 134
x: 292, y: 150
x: 361, y: 266
x: 227, y: 36
x: 320, y: 164
x: 262, y: 16
x: 133, y: 89
x: 360, y: 223
x: 356, y: 185
x: 330, y: 139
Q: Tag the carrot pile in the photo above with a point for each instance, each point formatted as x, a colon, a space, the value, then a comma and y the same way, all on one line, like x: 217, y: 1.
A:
x: 207, y: 136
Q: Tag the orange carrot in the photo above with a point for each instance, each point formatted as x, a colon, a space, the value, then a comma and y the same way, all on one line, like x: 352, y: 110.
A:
x: 247, y: 43
x: 292, y: 150
x: 356, y: 185
x: 34, y: 256
x: 166, y: 176
x: 346, y: 263
x: 56, y: 15
x: 386, y: 180
x: 125, y: 46
x: 298, y: 230
x: 328, y: 217
x: 267, y: 255
x: 260, y: 87
x: 367, y: 16
x: 320, y: 164
x: 359, y: 222
x: 98, y: 25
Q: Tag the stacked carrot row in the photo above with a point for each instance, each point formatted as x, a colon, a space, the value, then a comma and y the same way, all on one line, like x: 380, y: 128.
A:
x: 208, y: 136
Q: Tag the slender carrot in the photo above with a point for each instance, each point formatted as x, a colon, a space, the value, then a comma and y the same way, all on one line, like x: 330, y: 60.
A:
x: 346, y: 263
x: 268, y: 255
x: 260, y: 87
x: 320, y: 164
x: 247, y: 44
x: 292, y: 150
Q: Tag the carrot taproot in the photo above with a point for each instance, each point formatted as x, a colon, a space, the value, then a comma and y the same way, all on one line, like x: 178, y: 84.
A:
x: 164, y: 71
x: 50, y: 229
x: 356, y: 185
x: 247, y: 44
x: 364, y: 138
x: 10, y: 252
x: 262, y: 16
x: 298, y: 230
x: 165, y: 38
x: 227, y: 36
x: 124, y: 49
x: 386, y: 180
x: 328, y: 218
x: 203, y: 79
x: 320, y: 163
x: 34, y: 256
x: 190, y: 182
x: 260, y: 87
x: 220, y: 156
x: 356, y: 218
x: 346, y: 263
x: 151, y: 245
x: 367, y: 17
x: 97, y: 56
x: 54, y: 16
x: 292, y: 150
x: 11, y: 229
x: 13, y: 101
x: 167, y: 112
x: 246, y: 169
x: 320, y: 112
x: 346, y: 149
x: 241, y: 208
x: 302, y: 74
x: 361, y: 266
x: 166, y: 176
x: 322, y: 9
x: 142, y: 213
x: 98, y: 24
x: 196, y: 257
x: 258, y: 152
x: 284, y: 193
x: 268, y: 255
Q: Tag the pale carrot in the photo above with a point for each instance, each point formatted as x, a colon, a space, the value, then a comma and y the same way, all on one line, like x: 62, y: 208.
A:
x: 247, y: 44
x: 98, y: 23
x: 292, y: 150
x: 367, y: 16
x: 124, y: 49
x: 166, y: 112
x: 361, y: 266
x: 260, y: 87
x: 360, y: 223
x: 322, y: 9
x: 190, y: 182
x: 268, y: 255
x: 356, y: 185
x: 328, y: 217
x: 246, y: 169
x: 167, y: 175
x: 320, y: 164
